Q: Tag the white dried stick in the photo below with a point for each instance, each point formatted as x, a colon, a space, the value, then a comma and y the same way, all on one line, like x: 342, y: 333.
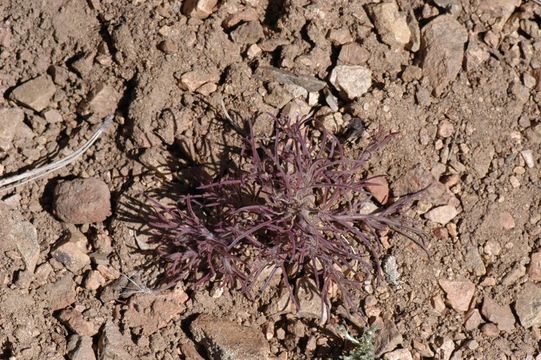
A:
x: 16, y: 180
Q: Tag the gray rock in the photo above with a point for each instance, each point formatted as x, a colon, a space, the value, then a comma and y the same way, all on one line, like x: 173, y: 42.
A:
x: 53, y: 117
x: 388, y: 338
x: 390, y: 268
x: 474, y: 263
x: 228, y: 340
x: 10, y: 120
x: 452, y: 6
x: 352, y: 81
x: 59, y: 294
x: 248, y: 33
x: 82, y: 201
x: 82, y: 349
x: 35, y: 93
x: 112, y: 345
x: 443, y: 42
x: 18, y: 234
x: 27, y: 243
x: 310, y: 83
x: 528, y: 306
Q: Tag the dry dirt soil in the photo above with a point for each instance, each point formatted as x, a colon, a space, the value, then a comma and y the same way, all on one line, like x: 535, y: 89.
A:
x: 459, y: 81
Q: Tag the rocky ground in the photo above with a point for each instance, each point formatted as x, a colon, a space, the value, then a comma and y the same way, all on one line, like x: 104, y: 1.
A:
x: 458, y: 81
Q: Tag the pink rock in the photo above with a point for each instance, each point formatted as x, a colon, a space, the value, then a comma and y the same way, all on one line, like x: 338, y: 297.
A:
x: 507, y: 220
x: 473, y: 320
x: 498, y: 314
x: 445, y: 128
x: 442, y: 214
x: 379, y: 188
x: 459, y: 293
x: 82, y: 201
x: 151, y: 312
x: 229, y: 340
x: 490, y: 330
x: 77, y: 323
x: 534, y: 269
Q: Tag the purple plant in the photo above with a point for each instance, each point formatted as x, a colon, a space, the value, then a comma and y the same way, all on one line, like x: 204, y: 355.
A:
x: 296, y: 206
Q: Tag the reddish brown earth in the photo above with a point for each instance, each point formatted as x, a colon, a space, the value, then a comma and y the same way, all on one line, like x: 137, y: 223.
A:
x: 459, y: 81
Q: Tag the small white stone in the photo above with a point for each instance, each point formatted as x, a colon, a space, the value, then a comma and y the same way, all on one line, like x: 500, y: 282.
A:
x: 442, y: 214
x: 351, y: 80
x: 527, y: 155
x: 529, y: 81
x: 514, y: 182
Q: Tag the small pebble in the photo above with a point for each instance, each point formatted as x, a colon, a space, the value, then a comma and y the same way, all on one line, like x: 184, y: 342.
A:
x: 514, y: 182
x: 445, y: 129
x: 527, y: 155
x: 442, y: 214
x: 529, y: 81
x: 490, y: 330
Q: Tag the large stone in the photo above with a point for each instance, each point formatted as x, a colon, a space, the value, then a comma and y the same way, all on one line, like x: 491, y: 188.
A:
x: 152, y: 312
x: 228, y: 340
x: 442, y: 44
x: 528, y: 306
x: 391, y: 26
x: 352, y: 81
x: 459, y: 293
x: 501, y: 315
x: 17, y: 234
x: 10, y: 120
x: 82, y: 201
x: 35, y: 93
